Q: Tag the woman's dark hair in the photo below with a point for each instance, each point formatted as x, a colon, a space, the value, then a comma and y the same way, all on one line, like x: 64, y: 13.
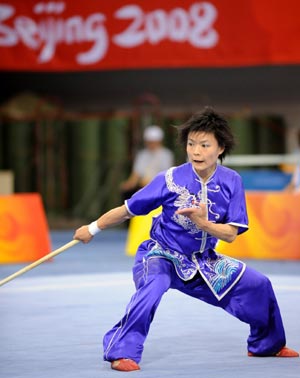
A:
x: 208, y: 121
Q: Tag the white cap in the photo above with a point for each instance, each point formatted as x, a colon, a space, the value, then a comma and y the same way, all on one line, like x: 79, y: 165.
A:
x: 153, y: 134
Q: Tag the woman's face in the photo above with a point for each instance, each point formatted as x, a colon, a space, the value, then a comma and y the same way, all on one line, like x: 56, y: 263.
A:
x: 203, y: 151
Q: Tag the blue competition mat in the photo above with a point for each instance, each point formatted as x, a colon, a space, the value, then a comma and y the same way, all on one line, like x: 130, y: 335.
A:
x: 53, y: 318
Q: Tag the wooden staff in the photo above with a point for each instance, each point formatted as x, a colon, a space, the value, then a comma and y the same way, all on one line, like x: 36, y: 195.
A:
x: 38, y: 262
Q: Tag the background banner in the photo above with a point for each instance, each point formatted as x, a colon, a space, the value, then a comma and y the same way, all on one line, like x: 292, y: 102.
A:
x: 274, y: 219
x: 97, y: 35
x: 24, y: 234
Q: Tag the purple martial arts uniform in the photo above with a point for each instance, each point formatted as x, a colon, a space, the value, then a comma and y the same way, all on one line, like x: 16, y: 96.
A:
x: 181, y: 256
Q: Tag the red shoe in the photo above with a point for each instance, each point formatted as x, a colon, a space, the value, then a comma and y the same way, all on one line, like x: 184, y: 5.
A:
x: 284, y: 352
x: 124, y: 364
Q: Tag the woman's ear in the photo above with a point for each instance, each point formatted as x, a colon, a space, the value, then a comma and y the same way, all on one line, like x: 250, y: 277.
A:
x: 221, y: 150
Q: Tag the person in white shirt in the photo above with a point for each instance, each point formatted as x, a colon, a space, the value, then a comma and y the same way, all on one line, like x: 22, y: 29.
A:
x: 148, y: 162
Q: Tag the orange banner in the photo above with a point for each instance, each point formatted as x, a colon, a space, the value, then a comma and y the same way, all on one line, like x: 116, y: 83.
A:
x: 274, y: 221
x: 122, y: 34
x: 24, y: 234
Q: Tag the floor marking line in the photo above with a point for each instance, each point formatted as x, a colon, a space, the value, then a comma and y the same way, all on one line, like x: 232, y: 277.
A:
x: 94, y: 284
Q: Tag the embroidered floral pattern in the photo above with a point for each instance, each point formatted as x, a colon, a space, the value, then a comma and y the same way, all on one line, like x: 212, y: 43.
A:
x: 186, y: 199
x: 185, y: 268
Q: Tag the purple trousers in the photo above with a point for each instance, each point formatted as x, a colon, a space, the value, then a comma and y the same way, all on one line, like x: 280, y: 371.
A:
x: 251, y: 300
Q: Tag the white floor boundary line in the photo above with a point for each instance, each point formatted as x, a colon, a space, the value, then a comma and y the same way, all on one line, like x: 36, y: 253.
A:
x: 108, y: 282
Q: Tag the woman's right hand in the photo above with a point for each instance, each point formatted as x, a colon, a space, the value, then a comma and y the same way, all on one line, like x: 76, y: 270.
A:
x: 82, y: 234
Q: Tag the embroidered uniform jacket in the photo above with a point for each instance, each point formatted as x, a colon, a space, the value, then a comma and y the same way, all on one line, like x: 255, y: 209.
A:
x: 177, y: 238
